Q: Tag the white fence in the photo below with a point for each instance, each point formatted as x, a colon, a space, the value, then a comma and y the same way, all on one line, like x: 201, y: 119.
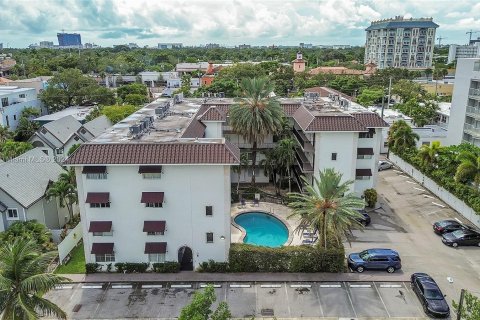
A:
x: 457, y: 204
x: 70, y: 241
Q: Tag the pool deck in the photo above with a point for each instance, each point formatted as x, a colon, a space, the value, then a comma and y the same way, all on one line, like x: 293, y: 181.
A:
x: 277, y: 210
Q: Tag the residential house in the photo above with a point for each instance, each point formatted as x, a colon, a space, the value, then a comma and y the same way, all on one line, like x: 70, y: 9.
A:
x: 13, y: 100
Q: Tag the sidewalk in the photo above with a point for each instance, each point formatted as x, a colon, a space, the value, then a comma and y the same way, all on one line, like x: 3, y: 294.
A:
x: 190, y: 276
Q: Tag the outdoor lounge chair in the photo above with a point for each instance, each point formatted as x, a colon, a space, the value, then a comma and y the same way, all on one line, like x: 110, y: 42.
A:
x: 242, y: 203
x: 256, y: 203
x: 310, y: 241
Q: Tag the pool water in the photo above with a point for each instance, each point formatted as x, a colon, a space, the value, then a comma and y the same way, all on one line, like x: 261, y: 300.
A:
x: 262, y: 229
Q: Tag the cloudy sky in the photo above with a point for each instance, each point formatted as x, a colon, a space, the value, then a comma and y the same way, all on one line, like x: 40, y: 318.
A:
x: 228, y: 22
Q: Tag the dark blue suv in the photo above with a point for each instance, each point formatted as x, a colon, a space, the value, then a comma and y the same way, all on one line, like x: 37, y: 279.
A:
x: 375, y: 259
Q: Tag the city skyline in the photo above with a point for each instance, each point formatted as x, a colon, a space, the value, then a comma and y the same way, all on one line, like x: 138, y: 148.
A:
x: 108, y: 22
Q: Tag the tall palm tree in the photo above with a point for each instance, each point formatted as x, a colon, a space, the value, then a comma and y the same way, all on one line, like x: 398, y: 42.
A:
x: 24, y: 280
x: 256, y: 114
x: 270, y: 166
x: 4, y: 134
x: 327, y: 206
x: 66, y: 194
x: 469, y: 168
x: 238, y: 169
x: 428, y: 154
x: 401, y: 137
x: 286, y: 157
x: 69, y: 176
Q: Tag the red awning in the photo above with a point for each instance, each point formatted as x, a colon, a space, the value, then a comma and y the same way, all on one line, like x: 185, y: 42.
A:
x: 154, y: 226
x: 100, y: 226
x: 94, y: 169
x: 152, y: 197
x: 98, y: 197
x: 155, y: 247
x: 363, y: 173
x: 365, y: 151
x: 150, y: 169
x: 102, y: 248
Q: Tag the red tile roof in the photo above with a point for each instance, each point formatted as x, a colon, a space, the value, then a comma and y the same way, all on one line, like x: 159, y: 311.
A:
x: 370, y: 119
x: 290, y: 108
x: 335, y: 122
x: 213, y: 114
x: 155, y: 153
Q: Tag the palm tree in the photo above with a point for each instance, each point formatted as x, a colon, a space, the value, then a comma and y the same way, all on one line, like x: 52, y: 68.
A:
x: 469, y: 168
x: 326, y: 206
x: 66, y: 194
x: 4, y: 134
x: 69, y: 176
x: 238, y: 169
x: 23, y: 281
x: 401, y: 137
x: 256, y: 114
x: 428, y: 154
x: 270, y: 166
x: 286, y: 157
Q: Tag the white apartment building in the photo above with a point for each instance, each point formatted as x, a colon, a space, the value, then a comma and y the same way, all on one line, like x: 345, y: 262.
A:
x: 13, y: 100
x: 464, y: 122
x: 460, y: 52
x: 400, y: 43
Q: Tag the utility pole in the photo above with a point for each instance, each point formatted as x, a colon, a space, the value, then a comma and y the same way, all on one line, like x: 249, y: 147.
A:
x: 460, y: 304
x: 389, y: 91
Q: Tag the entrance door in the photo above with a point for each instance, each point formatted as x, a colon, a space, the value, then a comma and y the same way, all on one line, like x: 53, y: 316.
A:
x: 185, y: 258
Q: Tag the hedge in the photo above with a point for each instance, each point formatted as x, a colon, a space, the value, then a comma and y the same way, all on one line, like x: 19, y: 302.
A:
x: 129, y: 267
x: 213, y: 266
x: 249, y: 258
x: 166, y: 267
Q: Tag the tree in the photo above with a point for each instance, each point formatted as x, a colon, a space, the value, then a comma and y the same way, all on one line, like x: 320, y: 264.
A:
x: 199, y: 308
x: 135, y: 99
x: 407, y: 90
x: 12, y: 149
x: 118, y: 113
x: 470, y: 309
x: 270, y: 167
x: 73, y: 148
x: 68, y: 176
x: 401, y: 137
x: 24, y: 280
x: 370, y: 96
x: 5, y: 134
x: 94, y: 113
x: 29, y: 230
x: 469, y: 168
x: 26, y: 126
x: 327, y: 206
x: 134, y: 88
x: 286, y: 157
x: 428, y: 153
x: 66, y: 194
x: 238, y: 169
x: 256, y: 114
x: 422, y: 113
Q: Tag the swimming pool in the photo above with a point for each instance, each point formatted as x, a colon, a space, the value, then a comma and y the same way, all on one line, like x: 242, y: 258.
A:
x: 262, y: 229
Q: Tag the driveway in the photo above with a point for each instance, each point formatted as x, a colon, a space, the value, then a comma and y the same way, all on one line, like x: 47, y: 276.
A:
x: 404, y: 223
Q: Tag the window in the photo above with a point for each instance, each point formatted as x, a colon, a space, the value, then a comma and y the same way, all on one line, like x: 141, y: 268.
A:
x: 425, y: 143
x: 103, y: 234
x: 154, y: 204
x: 100, y: 205
x: 59, y: 151
x: 44, y: 131
x: 156, y: 257
x: 209, y: 237
x: 362, y: 178
x: 4, y: 102
x: 107, y: 257
x: 209, y: 211
x: 45, y: 151
x: 76, y: 138
x: 476, y: 66
x: 97, y: 176
x: 83, y: 131
x: 14, y: 117
x: 334, y: 156
x: 22, y: 95
x: 12, y: 214
x: 155, y: 233
x: 152, y: 175
x: 364, y: 156
x: 363, y: 135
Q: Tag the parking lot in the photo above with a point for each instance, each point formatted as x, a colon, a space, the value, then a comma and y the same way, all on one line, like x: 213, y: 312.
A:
x: 246, y: 300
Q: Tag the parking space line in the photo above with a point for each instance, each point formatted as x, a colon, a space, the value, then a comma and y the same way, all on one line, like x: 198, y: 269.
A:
x: 427, y: 196
x: 91, y: 287
x: 288, y: 303
x: 181, y: 286
x: 414, y: 295
x: 151, y: 286
x: 438, y: 204
x: 121, y: 286
x: 360, y: 286
x: 404, y: 175
x: 240, y: 286
x: 390, y: 286
x: 410, y: 182
x: 419, y: 189
x: 330, y: 286
x: 210, y: 284
x: 397, y: 171
x: 300, y: 286
x: 62, y: 286
x: 350, y: 299
x: 381, y: 299
x: 458, y: 220
x: 317, y: 294
x: 270, y: 286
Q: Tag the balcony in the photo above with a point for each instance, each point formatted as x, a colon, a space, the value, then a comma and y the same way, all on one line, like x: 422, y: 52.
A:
x: 303, y: 163
x: 259, y: 146
x: 471, y: 130
x: 473, y: 112
x: 303, y: 140
x: 474, y: 93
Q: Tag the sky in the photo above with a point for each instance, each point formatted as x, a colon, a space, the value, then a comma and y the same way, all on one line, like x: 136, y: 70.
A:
x: 226, y: 22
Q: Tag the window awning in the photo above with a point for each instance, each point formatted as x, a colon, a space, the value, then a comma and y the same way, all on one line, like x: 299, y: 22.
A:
x: 152, y: 197
x: 94, y: 169
x: 154, y: 226
x: 363, y: 172
x: 98, y: 197
x: 3, y: 207
x: 150, y: 169
x: 100, y: 226
x: 102, y: 248
x: 155, y: 247
x: 365, y: 151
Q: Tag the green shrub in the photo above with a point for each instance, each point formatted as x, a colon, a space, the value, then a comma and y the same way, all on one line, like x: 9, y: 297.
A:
x: 248, y: 258
x: 130, y: 267
x: 31, y: 230
x: 166, y: 267
x: 370, y: 197
x: 92, y: 267
x: 213, y: 266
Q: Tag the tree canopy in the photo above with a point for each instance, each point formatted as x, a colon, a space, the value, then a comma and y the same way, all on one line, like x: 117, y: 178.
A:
x: 200, y: 307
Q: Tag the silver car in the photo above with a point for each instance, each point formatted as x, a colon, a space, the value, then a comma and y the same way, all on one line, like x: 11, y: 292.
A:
x: 384, y: 165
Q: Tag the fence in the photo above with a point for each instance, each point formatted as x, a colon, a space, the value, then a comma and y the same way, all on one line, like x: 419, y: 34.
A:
x: 70, y: 241
x: 455, y: 203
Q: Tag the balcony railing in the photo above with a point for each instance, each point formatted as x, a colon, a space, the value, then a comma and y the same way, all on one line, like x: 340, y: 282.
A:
x: 474, y: 93
x: 302, y: 160
x: 303, y: 140
x: 473, y: 111
x: 471, y: 129
x: 259, y: 146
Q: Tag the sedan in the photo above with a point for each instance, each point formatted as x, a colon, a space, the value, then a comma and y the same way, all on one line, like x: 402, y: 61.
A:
x: 384, y: 165
x: 430, y: 295
x: 446, y: 226
x: 465, y: 237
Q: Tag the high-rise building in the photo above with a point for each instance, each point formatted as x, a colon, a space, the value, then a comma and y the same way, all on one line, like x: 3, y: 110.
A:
x: 170, y: 45
x: 46, y: 44
x: 1, y: 46
x: 459, y: 52
x: 69, y: 39
x: 401, y: 43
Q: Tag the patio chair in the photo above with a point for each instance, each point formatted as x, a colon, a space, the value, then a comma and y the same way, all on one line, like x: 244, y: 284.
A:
x: 310, y: 241
x: 242, y: 203
x: 309, y: 233
x: 256, y: 203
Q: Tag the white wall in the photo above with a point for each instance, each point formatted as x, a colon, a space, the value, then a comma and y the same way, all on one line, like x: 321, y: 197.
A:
x: 213, y: 129
x: 13, y: 111
x: 70, y: 241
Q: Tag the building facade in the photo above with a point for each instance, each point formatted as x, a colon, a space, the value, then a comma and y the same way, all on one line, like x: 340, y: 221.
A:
x: 401, y: 43
x: 464, y: 122
x: 13, y: 100
x: 460, y: 52
x: 69, y: 39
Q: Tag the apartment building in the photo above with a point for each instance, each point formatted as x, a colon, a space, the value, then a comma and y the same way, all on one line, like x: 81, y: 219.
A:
x: 464, y: 122
x: 401, y: 43
x: 460, y: 52
x: 13, y: 100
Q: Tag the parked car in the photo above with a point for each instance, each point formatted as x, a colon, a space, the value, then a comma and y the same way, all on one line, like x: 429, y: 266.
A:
x: 430, y: 295
x: 464, y: 237
x: 365, y: 220
x: 446, y: 226
x: 384, y: 165
x: 375, y: 259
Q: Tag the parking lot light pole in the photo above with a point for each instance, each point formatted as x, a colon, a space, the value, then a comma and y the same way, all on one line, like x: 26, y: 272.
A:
x: 460, y: 304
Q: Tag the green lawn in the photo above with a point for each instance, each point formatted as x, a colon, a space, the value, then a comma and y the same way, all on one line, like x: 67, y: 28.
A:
x: 76, y: 263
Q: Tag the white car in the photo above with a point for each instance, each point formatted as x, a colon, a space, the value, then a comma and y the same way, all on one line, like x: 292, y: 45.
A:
x: 384, y: 165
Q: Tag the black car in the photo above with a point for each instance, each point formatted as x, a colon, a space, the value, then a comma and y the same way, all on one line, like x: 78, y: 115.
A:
x: 446, y: 226
x: 365, y: 220
x: 430, y: 295
x: 464, y: 237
